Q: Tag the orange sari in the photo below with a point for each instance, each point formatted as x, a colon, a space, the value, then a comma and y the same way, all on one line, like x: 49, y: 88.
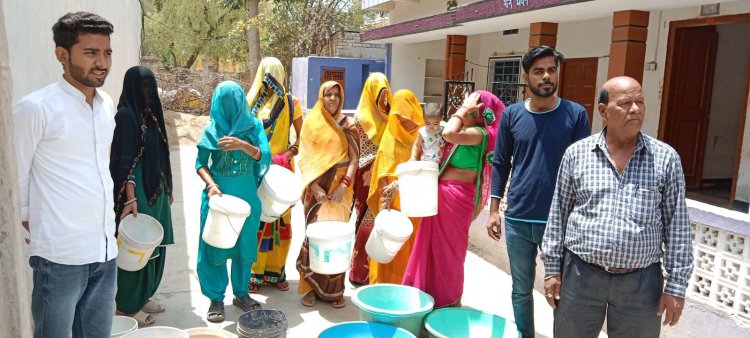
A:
x: 395, y: 148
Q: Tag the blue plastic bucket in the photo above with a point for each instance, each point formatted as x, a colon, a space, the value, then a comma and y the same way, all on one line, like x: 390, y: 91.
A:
x: 397, y: 305
x: 365, y: 330
x: 465, y: 323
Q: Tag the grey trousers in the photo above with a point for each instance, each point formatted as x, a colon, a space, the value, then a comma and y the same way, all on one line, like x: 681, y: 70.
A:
x: 588, y: 295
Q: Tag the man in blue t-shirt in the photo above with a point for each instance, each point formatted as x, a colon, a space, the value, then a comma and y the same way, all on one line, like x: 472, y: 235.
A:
x: 532, y: 138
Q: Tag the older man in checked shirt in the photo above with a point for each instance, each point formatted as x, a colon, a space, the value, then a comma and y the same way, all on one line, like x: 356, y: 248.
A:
x: 617, y: 216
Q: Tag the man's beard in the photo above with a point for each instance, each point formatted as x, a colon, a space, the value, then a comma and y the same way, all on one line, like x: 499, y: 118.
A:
x: 79, y: 74
x: 544, y: 92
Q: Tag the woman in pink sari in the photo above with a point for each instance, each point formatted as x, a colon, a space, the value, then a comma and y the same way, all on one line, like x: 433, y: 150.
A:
x: 436, y: 265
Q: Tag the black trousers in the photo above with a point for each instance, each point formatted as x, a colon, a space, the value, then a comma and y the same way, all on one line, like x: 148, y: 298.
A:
x: 588, y: 295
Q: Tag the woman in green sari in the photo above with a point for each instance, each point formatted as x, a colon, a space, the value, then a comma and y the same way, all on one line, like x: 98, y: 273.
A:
x: 140, y: 168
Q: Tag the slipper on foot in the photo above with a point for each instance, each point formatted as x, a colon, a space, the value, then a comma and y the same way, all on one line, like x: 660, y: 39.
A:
x: 153, y: 306
x: 215, y: 312
x: 246, y: 303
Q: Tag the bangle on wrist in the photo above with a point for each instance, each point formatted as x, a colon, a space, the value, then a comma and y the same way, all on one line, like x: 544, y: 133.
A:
x: 130, y: 201
x: 208, y: 187
x: 346, y: 181
x: 549, y: 276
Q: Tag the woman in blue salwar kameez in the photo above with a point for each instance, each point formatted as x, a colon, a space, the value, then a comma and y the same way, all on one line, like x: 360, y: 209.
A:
x: 236, y: 145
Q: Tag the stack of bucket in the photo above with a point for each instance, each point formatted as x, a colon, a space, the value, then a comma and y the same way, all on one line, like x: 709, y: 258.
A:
x: 262, y: 323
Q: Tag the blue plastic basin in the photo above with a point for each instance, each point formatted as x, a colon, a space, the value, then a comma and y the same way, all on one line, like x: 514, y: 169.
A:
x: 397, y: 305
x: 465, y: 323
x: 365, y: 330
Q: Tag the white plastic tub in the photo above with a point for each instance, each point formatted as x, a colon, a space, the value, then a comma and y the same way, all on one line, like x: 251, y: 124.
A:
x: 392, y: 229
x: 418, y: 188
x: 331, y: 244
x: 279, y: 190
x: 225, y: 220
x: 136, y: 241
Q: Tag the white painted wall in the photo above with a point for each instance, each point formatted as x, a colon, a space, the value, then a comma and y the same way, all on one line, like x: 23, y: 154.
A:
x: 407, y: 70
x: 410, y: 10
x: 32, y: 50
x: 728, y: 101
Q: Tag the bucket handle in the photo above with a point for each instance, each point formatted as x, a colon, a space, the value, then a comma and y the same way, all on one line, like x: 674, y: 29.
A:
x: 321, y: 203
x: 229, y: 220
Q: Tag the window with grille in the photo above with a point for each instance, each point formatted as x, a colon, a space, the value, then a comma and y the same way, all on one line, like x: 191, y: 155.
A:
x: 505, y: 79
x: 332, y: 75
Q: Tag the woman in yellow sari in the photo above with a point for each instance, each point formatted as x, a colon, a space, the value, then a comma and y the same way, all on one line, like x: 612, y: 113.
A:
x: 372, y: 118
x: 278, y: 111
x: 404, y: 122
x: 328, y: 162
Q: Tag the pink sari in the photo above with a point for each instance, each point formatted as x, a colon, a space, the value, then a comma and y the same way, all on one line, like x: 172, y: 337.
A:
x: 441, y: 243
x: 436, y: 264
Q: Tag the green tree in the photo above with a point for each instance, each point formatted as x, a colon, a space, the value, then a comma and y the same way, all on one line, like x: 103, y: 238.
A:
x: 181, y: 31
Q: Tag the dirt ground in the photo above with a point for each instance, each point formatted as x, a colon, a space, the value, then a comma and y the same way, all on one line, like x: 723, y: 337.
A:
x: 184, y: 129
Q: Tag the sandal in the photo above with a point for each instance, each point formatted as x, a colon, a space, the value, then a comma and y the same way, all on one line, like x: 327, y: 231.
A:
x: 337, y: 304
x: 246, y: 303
x: 215, y: 312
x: 283, y: 286
x: 310, y: 299
x: 153, y: 306
x: 253, y: 288
x: 143, y: 318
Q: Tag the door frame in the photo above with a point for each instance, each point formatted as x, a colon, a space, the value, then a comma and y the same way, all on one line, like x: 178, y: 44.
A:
x: 562, y: 80
x: 710, y: 21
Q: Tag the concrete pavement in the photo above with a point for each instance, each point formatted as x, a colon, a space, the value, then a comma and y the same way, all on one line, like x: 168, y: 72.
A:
x: 487, y: 287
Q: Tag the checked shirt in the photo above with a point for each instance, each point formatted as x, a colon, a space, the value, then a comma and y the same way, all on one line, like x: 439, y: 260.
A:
x: 628, y: 220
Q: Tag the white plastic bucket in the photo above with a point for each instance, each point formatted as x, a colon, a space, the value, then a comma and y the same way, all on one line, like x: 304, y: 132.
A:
x: 122, y: 325
x: 206, y: 332
x: 330, y: 245
x: 279, y: 190
x: 136, y: 241
x: 392, y: 229
x: 418, y: 188
x: 158, y: 332
x: 226, y: 216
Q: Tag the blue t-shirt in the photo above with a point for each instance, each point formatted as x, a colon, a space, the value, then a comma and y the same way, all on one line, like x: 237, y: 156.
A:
x: 530, y: 146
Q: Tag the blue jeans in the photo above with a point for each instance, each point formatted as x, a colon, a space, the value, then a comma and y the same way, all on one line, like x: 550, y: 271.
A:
x: 80, y: 298
x: 524, y: 241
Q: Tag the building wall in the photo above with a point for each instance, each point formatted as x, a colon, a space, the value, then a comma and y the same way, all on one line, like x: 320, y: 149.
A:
x: 348, y: 44
x: 29, y: 30
x: 355, y: 74
x: 408, y: 67
x: 728, y: 101
x: 653, y: 81
x: 410, y: 10
x: 299, y: 82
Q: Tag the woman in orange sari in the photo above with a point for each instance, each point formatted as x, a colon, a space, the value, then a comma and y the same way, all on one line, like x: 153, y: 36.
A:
x: 404, y: 122
x: 372, y: 118
x: 328, y: 161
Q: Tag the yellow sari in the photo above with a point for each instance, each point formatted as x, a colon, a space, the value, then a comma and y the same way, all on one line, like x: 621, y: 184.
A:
x: 371, y: 123
x: 395, y: 148
x: 372, y: 120
x: 272, y: 108
x: 324, y: 157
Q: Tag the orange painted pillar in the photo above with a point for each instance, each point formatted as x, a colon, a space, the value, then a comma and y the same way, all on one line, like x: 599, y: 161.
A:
x: 627, y: 52
x: 543, y: 34
x: 455, y: 57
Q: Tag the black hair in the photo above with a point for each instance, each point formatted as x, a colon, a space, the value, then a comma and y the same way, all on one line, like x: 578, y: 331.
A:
x: 539, y: 52
x: 603, y: 96
x: 67, y: 29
